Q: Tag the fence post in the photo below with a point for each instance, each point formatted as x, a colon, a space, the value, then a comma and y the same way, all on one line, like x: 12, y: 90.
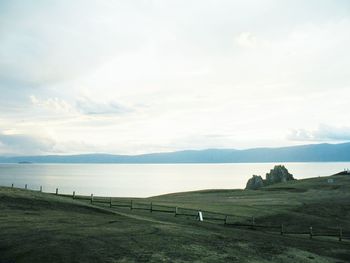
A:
x: 56, y: 191
x: 110, y: 202
x: 73, y: 194
x: 175, y: 210
x: 282, y: 229
x: 340, y: 234
x: 92, y: 198
x: 131, y: 205
x: 26, y: 187
x: 11, y: 185
x: 151, y: 207
x: 200, y: 216
x: 311, y: 233
x: 41, y: 188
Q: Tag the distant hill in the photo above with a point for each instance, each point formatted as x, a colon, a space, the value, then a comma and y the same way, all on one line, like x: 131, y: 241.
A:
x: 305, y: 153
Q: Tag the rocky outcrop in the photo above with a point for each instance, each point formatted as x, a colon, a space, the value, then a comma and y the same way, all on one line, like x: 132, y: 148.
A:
x: 278, y: 174
x: 255, y: 182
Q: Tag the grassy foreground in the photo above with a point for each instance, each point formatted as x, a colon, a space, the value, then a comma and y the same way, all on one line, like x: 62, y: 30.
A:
x: 39, y: 227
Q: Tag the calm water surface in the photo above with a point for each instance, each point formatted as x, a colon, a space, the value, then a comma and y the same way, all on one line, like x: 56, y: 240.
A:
x: 143, y: 180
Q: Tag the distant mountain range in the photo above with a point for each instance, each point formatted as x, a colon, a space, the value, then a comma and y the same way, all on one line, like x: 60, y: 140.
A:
x: 305, y: 153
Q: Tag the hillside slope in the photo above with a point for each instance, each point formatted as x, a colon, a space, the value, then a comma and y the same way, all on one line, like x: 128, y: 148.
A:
x: 298, y: 204
x: 304, y: 153
x: 39, y: 227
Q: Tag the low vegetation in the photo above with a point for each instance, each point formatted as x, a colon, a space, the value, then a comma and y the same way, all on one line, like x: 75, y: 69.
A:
x: 39, y: 227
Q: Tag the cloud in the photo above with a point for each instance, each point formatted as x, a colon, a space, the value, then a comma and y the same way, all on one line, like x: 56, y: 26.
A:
x: 246, y: 39
x: 88, y: 106
x: 209, y: 74
x: 322, y: 133
x: 44, y: 44
x: 55, y: 104
x: 13, y: 144
x: 83, y: 105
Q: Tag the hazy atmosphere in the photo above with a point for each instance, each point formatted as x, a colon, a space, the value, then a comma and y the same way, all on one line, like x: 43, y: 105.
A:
x: 134, y: 77
x: 175, y: 131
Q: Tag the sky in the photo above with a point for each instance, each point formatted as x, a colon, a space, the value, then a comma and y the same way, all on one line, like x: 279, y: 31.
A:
x: 131, y: 77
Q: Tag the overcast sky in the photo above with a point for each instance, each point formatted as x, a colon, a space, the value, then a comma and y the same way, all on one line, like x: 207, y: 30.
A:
x: 133, y: 77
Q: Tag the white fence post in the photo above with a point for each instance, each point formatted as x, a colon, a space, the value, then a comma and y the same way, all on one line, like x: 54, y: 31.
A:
x: 200, y: 216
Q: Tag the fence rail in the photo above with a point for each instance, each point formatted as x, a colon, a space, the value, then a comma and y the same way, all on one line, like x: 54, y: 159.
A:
x: 225, y: 219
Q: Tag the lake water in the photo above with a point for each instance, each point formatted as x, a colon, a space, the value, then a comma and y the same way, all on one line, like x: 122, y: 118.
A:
x: 143, y: 180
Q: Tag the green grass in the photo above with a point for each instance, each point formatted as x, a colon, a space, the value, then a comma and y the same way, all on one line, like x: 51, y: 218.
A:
x: 302, y: 203
x: 39, y: 227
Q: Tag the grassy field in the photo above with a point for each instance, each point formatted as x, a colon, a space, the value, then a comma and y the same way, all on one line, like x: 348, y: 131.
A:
x: 39, y: 227
x: 303, y: 203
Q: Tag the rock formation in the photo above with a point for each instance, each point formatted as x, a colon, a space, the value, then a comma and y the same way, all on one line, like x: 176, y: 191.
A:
x: 279, y: 174
x: 255, y: 182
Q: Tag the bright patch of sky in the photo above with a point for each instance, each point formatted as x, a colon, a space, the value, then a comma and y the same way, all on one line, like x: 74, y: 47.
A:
x: 142, y: 76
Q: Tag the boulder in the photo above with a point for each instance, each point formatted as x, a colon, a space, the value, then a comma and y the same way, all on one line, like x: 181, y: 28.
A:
x: 255, y: 182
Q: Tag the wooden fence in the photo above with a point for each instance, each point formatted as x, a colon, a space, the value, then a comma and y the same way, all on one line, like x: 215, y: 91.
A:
x: 208, y: 216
